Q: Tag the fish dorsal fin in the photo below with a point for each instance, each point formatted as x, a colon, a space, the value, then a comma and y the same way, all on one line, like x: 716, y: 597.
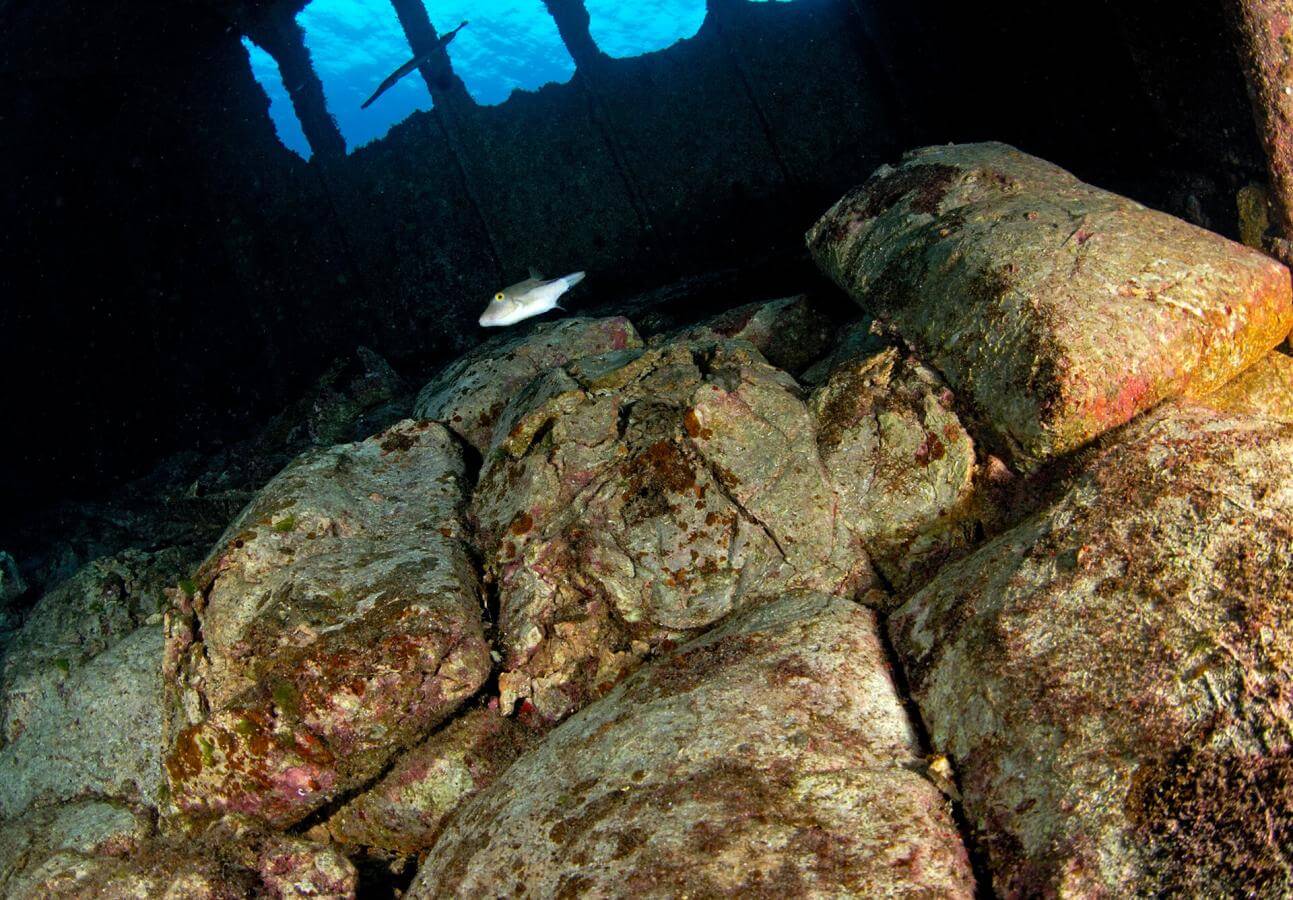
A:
x: 534, y: 273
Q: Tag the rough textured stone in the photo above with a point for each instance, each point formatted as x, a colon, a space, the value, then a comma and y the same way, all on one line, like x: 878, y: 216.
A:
x: 1059, y: 310
x: 1253, y: 202
x: 335, y: 625
x: 1113, y: 677
x: 790, y: 333
x: 233, y: 859
x: 89, y: 613
x: 29, y: 844
x: 1265, y: 390
x: 81, y: 689
x: 902, y: 463
x: 352, y: 394
x: 770, y: 757
x: 470, y: 393
x: 639, y: 499
x: 74, y: 875
x: 12, y: 585
x: 1264, y: 32
x: 293, y: 868
x: 99, y: 732
x: 856, y: 341
x: 405, y: 811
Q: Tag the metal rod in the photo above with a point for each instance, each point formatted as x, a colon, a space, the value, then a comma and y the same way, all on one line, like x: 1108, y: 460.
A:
x: 282, y: 38
x: 451, y: 101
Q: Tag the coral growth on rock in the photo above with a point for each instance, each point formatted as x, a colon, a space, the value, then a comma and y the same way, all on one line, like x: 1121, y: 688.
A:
x: 1111, y: 677
x: 336, y: 624
x: 771, y: 603
x: 770, y: 756
x: 1058, y: 310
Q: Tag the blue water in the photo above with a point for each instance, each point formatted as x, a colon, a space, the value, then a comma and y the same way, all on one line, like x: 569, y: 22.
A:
x: 508, y: 45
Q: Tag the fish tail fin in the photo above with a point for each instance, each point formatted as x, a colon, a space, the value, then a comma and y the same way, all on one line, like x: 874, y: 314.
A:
x: 572, y: 280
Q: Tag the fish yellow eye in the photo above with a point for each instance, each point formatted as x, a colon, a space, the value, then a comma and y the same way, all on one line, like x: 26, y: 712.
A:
x: 499, y: 296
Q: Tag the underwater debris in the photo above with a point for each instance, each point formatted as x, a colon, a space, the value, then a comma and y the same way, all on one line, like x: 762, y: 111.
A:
x: 1117, y: 720
x: 1059, y: 310
x: 769, y: 757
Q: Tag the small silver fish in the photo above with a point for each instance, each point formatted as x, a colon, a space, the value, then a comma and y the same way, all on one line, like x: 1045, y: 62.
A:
x: 532, y: 297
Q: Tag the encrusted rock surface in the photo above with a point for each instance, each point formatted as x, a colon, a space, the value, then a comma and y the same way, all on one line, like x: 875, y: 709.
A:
x: 1060, y: 311
x: 89, y: 613
x: 469, y: 394
x: 858, y: 339
x: 96, y: 733
x: 639, y: 497
x: 790, y: 333
x: 81, y: 689
x: 1113, y: 678
x: 43, y: 841
x: 235, y: 858
x: 1264, y: 390
x: 770, y: 757
x: 335, y: 625
x: 12, y: 586
x: 11, y: 581
x: 405, y: 811
x: 901, y: 461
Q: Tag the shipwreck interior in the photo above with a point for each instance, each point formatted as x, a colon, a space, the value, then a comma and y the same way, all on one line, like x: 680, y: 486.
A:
x: 172, y: 273
x: 888, y: 492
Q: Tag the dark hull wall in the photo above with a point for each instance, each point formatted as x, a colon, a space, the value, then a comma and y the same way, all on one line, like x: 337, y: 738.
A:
x: 171, y: 274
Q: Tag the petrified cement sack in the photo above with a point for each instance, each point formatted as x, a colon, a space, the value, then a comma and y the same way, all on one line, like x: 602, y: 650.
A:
x: 88, y: 614
x: 770, y: 757
x: 405, y: 811
x: 1059, y: 310
x: 1113, y: 678
x: 337, y: 623
x: 634, y: 499
x: 237, y: 858
x: 471, y: 392
x: 81, y: 686
x: 36, y: 845
x: 790, y: 333
x: 902, y: 463
x: 1264, y: 390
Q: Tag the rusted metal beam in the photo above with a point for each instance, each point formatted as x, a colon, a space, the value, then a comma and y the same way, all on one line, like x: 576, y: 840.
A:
x: 1265, y: 36
x: 573, y: 24
x: 721, y: 7
x: 445, y: 86
x: 452, y: 103
x: 277, y: 33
